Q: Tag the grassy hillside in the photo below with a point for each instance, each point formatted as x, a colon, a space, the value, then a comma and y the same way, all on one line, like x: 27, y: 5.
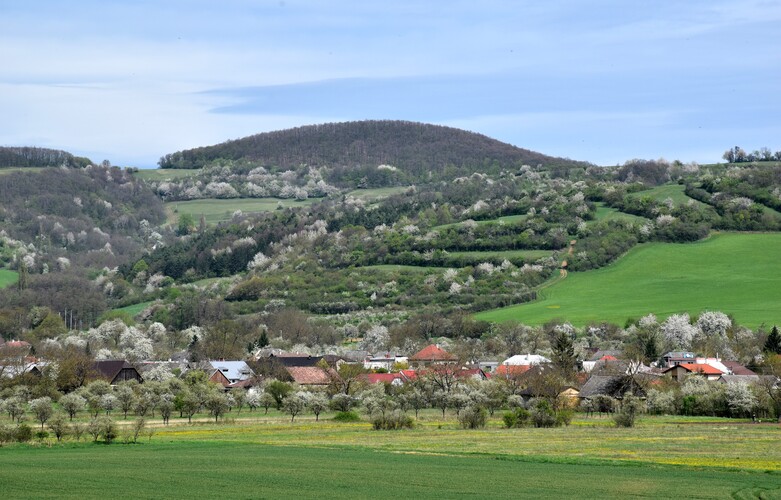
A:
x: 164, y: 174
x: 733, y: 273
x: 661, y: 193
x: 7, y: 277
x: 215, y: 211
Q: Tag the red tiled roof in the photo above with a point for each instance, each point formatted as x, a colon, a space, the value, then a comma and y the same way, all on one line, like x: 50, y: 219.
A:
x: 608, y: 357
x: 382, y: 378
x: 309, y: 375
x: 409, y: 374
x: 432, y: 353
x: 701, y: 368
x: 512, y: 370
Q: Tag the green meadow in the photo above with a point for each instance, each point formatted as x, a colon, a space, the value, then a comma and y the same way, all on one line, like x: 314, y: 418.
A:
x: 604, y: 212
x: 529, y: 255
x: 8, y: 277
x: 134, y: 309
x: 272, y: 458
x: 661, y: 193
x: 215, y: 211
x: 165, y: 174
x: 736, y: 273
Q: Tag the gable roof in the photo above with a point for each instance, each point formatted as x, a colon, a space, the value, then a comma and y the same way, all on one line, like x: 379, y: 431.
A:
x: 310, y: 375
x: 526, y: 359
x: 698, y: 368
x: 432, y: 353
x: 109, y: 369
x: 384, y: 378
x: 737, y: 369
x: 233, y: 370
x: 511, y: 370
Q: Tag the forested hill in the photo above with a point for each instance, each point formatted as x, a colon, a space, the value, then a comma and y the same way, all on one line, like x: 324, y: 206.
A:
x: 415, y: 148
x: 39, y: 157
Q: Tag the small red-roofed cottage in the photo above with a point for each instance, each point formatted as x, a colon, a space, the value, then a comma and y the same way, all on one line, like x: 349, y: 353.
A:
x: 430, y: 355
x: 394, y: 379
x: 677, y: 372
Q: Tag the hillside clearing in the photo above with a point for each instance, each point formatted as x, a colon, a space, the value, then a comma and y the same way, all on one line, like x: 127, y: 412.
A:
x: 731, y: 272
x: 216, y: 211
x: 661, y: 193
x: 604, y: 212
x: 8, y: 277
x: 165, y: 174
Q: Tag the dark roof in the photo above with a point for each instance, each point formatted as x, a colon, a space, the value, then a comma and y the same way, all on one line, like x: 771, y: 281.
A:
x: 297, y: 359
x: 110, y: 368
x: 737, y: 369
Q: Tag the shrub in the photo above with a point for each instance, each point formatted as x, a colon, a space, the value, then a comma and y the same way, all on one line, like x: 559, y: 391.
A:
x: 347, y: 416
x: 392, y: 421
x: 542, y: 414
x: 564, y: 417
x: 473, y: 417
x: 23, y: 433
x: 516, y: 418
x: 41, y: 435
x: 630, y: 407
x: 7, y: 434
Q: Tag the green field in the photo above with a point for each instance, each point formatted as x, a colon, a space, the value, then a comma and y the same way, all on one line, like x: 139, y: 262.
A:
x: 376, y: 194
x: 661, y: 193
x: 529, y: 255
x: 609, y: 213
x: 165, y: 174
x: 215, y: 211
x: 730, y: 272
x: 8, y: 277
x: 400, y: 268
x: 134, y: 309
x: 270, y: 458
x: 507, y: 219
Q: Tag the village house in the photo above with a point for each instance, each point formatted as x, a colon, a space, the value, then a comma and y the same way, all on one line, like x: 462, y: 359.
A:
x: 677, y: 372
x: 227, y: 373
x: 431, y: 355
x: 115, y: 371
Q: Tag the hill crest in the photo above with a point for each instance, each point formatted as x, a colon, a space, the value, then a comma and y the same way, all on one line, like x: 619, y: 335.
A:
x: 410, y: 146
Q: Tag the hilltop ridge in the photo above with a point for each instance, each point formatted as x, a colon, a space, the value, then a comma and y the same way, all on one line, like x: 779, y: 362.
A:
x: 412, y: 147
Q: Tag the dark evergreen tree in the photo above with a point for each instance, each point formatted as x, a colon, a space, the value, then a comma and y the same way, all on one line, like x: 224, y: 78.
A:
x: 773, y: 342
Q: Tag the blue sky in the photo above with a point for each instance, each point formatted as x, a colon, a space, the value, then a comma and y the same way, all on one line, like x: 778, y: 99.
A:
x: 601, y: 81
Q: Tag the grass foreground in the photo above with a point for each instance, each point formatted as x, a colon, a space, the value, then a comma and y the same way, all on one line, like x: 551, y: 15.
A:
x: 735, y: 273
x: 269, y: 457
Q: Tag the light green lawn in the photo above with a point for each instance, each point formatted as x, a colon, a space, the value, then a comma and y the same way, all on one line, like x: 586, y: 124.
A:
x: 134, y: 309
x: 166, y: 174
x: 737, y: 273
x: 604, y: 212
x: 505, y: 254
x: 661, y: 193
x: 215, y: 211
x: 376, y: 194
x: 8, y: 277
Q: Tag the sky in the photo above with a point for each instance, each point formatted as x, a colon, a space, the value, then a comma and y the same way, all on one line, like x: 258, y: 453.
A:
x: 603, y: 81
